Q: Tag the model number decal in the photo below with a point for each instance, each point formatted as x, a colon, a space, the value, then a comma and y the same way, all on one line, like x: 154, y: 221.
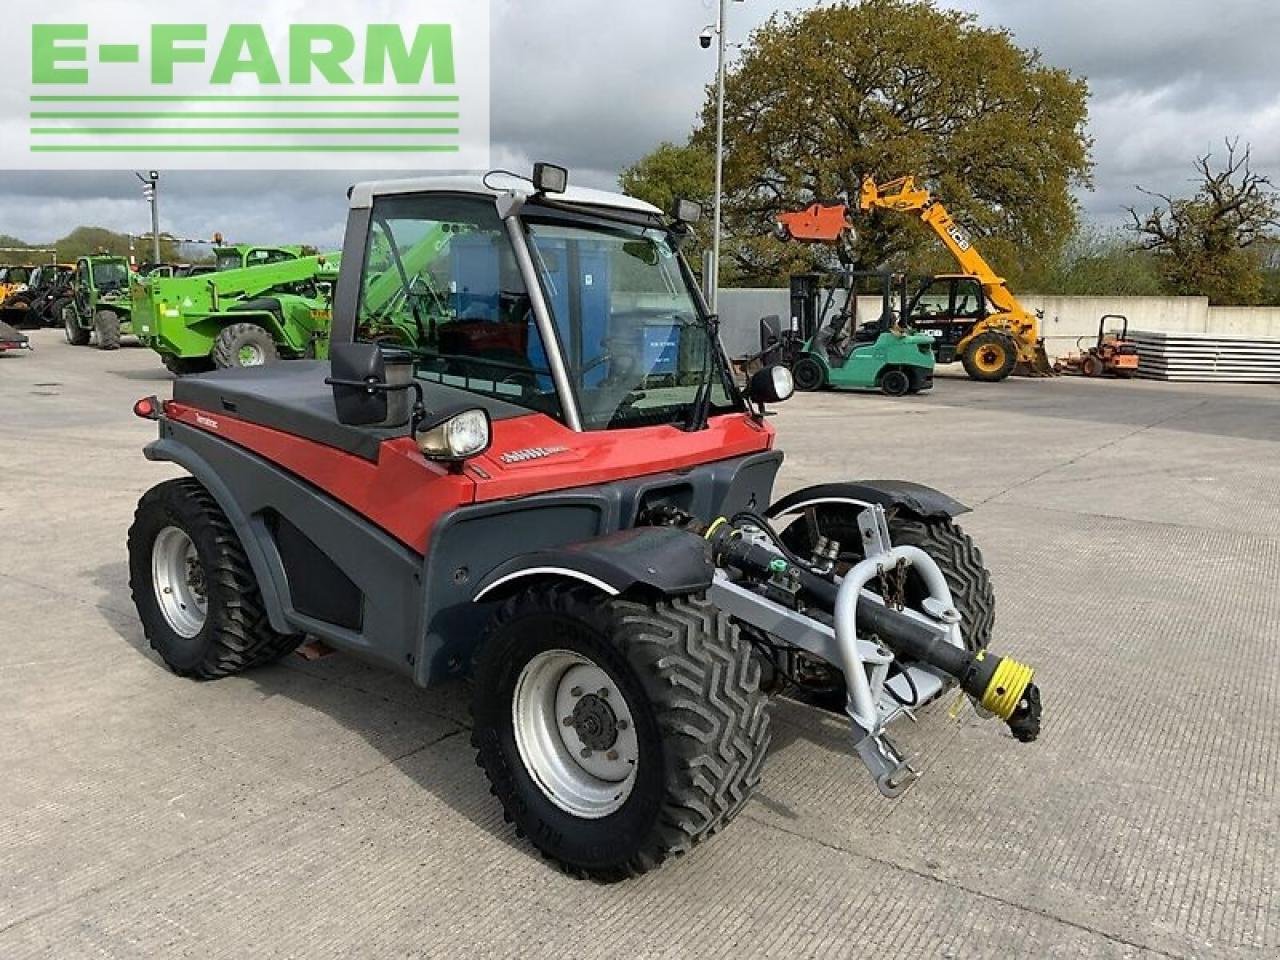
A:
x: 203, y: 421
x: 531, y: 453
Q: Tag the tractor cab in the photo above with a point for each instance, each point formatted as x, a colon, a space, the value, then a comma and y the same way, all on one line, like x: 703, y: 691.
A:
x: 574, y: 304
x: 851, y: 336
x: 241, y: 255
x: 946, y: 307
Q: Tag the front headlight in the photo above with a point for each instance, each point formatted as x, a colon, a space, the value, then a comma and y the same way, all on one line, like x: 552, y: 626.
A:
x: 461, y: 436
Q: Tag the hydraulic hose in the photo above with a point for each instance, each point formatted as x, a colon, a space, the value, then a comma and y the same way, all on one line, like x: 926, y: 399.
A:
x: 1000, y: 684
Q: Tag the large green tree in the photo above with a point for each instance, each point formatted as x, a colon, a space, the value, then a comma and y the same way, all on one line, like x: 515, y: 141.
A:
x: 1212, y: 244
x: 887, y: 88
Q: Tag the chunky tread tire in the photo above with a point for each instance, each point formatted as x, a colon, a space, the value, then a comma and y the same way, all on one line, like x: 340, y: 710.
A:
x: 107, y: 326
x: 236, y: 634
x: 230, y: 340
x: 962, y: 567
x: 693, y: 686
x: 77, y: 335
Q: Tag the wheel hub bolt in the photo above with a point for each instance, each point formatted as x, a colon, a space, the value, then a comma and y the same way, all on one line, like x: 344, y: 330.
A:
x: 586, y: 752
x: 603, y: 693
x: 622, y: 724
x: 575, y: 692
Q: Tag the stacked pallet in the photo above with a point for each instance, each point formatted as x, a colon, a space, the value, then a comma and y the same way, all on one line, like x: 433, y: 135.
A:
x: 1207, y: 356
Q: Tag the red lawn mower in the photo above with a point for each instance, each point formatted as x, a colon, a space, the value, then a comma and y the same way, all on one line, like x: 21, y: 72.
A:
x: 577, y: 514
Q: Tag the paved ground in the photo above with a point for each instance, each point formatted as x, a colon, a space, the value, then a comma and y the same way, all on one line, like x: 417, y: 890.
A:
x: 327, y: 809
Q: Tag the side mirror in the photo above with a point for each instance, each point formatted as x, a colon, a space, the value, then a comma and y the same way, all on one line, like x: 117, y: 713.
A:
x: 686, y: 211
x: 773, y: 384
x: 370, y: 386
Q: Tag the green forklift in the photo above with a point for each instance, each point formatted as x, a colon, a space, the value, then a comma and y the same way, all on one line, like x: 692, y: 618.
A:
x: 833, y: 346
x: 99, y: 306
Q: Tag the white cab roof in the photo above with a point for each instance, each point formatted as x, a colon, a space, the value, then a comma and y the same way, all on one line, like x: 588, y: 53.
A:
x: 362, y: 194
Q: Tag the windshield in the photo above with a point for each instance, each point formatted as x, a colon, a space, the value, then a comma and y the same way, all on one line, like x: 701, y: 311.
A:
x: 441, y: 279
x: 637, y: 348
x: 110, y: 274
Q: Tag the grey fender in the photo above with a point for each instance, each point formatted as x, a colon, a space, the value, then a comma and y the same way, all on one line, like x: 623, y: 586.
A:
x: 268, y: 571
x: 670, y: 561
x: 913, y: 498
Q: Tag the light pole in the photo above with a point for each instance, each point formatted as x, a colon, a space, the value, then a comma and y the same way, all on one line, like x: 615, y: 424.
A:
x: 718, y: 31
x: 150, y: 190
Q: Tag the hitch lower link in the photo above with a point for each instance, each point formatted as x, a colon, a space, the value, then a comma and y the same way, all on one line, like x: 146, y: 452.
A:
x: 869, y: 635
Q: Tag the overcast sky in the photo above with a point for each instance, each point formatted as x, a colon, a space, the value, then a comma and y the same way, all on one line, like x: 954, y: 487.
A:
x: 595, y: 84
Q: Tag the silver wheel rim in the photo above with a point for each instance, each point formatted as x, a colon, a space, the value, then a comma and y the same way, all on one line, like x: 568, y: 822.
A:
x: 66, y: 326
x: 575, y: 734
x: 178, y: 578
x: 251, y: 355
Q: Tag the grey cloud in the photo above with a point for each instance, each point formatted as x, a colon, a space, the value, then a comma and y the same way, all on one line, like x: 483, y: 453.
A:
x: 596, y: 83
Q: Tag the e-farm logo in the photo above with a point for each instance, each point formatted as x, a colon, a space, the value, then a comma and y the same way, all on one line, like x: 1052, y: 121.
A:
x: 245, y: 87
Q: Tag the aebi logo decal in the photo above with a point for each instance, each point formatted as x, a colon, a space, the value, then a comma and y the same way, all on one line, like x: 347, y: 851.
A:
x: 251, y: 85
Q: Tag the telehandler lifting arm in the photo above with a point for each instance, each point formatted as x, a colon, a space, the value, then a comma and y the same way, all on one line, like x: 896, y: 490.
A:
x: 905, y: 196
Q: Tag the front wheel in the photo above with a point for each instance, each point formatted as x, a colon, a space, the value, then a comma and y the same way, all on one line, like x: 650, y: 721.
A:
x: 107, y: 325
x: 990, y: 357
x: 808, y: 373
x: 616, y: 733
x: 77, y: 335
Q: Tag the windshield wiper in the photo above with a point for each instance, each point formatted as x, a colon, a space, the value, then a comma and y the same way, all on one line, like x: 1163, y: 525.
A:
x: 701, y: 411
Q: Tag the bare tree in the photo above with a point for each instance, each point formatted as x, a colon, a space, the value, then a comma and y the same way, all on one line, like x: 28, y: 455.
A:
x: 1203, y: 242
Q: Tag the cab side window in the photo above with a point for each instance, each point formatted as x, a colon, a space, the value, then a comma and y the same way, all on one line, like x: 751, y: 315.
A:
x: 440, y: 280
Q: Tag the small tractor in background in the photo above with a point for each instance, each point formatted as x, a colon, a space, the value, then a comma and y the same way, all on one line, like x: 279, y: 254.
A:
x: 40, y: 302
x: 99, y: 305
x: 276, y: 308
x: 14, y: 279
x: 1112, y: 354
x: 827, y: 346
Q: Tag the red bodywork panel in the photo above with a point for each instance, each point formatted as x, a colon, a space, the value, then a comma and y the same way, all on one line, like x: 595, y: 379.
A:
x: 405, y: 494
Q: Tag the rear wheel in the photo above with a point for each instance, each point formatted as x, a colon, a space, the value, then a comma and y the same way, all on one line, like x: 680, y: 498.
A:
x: 895, y: 383
x: 1091, y: 366
x: 990, y: 357
x: 808, y: 374
x: 244, y: 345
x: 77, y: 335
x: 194, y: 589
x: 107, y: 326
x: 617, y: 733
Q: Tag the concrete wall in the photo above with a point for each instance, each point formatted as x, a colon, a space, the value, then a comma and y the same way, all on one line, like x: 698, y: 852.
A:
x: 1066, y: 319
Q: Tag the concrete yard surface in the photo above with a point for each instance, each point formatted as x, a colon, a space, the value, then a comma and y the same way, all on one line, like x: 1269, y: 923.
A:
x: 329, y: 809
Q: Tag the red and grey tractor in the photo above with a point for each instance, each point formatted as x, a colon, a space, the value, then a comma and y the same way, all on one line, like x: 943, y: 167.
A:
x: 548, y: 480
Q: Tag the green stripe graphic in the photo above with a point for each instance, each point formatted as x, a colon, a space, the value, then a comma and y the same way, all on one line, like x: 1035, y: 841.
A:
x: 244, y: 148
x: 230, y: 98
x: 271, y: 131
x: 208, y: 115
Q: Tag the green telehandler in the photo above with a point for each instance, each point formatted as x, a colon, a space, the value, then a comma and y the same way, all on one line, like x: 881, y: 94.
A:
x: 99, y: 306
x: 276, y: 307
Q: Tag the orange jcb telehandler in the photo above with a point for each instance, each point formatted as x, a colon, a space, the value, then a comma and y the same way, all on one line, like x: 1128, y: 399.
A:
x: 972, y: 316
